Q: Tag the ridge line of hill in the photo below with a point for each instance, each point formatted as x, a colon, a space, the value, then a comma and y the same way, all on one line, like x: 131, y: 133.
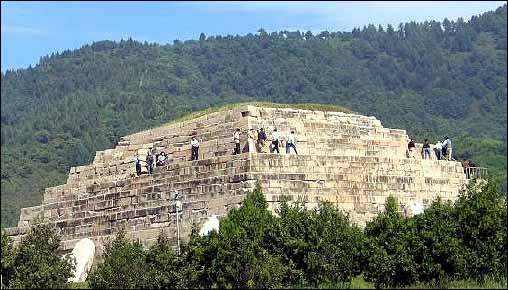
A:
x: 431, y: 78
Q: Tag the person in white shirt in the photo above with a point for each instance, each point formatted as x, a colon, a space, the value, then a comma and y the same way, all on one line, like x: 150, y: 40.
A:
x: 437, y: 149
x: 251, y: 136
x: 236, y: 139
x: 195, y: 148
x: 291, y: 143
x: 275, y: 141
x: 447, y: 148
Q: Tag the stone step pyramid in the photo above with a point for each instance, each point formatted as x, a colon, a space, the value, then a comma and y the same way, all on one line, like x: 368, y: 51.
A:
x: 348, y: 159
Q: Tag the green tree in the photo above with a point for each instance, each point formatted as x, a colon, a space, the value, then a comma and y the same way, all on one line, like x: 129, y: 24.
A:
x: 481, y: 217
x: 165, y: 268
x: 7, y: 259
x: 323, y: 245
x: 38, y: 263
x: 202, y: 37
x: 389, y: 253
x: 242, y: 260
x: 439, y: 251
x: 335, y: 254
x: 124, y: 265
x: 198, y: 257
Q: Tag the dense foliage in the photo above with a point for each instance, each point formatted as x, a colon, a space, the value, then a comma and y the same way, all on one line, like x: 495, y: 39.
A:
x: 124, y: 265
x: 480, y: 217
x: 322, y: 248
x: 323, y: 245
x: 7, y: 259
x: 241, y: 258
x: 253, y: 249
x: 464, y: 240
x: 438, y: 251
x: 390, y: 260
x: 431, y: 78
x: 36, y: 262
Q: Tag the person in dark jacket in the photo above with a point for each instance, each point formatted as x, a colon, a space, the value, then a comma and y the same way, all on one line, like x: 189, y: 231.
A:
x: 261, y: 140
x: 438, y: 147
x: 138, y: 166
x: 149, y: 162
x: 411, y: 148
x: 426, y: 149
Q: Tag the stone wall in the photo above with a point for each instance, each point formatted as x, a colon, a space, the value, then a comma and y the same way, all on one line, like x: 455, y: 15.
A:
x: 348, y: 159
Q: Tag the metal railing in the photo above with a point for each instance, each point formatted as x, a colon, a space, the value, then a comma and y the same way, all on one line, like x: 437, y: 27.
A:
x: 476, y: 172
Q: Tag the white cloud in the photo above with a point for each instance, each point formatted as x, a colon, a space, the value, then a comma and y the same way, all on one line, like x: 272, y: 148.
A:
x: 266, y: 6
x: 319, y: 15
x: 22, y: 30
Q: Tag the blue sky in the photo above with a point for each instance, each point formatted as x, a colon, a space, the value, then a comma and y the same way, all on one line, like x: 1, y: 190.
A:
x: 30, y: 30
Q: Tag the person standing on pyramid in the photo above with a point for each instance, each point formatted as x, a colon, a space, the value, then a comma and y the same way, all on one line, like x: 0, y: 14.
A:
x: 138, y: 166
x: 411, y: 148
x: 194, y: 148
x: 261, y: 140
x: 437, y: 149
x: 236, y: 139
x: 149, y: 162
x: 275, y: 141
x: 291, y: 143
x: 447, y: 148
x: 251, y: 135
x: 426, y: 149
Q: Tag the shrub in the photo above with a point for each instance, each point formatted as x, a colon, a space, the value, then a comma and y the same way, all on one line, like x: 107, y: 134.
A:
x: 37, y: 262
x: 336, y: 244
x: 198, y: 256
x: 439, y: 252
x: 124, y: 265
x: 466, y: 240
x: 481, y: 218
x: 289, y: 240
x: 388, y: 254
x: 7, y: 259
x: 242, y: 260
x: 323, y: 245
x: 164, y: 266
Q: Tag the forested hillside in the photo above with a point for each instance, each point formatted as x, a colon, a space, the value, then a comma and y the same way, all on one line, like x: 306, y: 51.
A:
x: 432, y: 78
